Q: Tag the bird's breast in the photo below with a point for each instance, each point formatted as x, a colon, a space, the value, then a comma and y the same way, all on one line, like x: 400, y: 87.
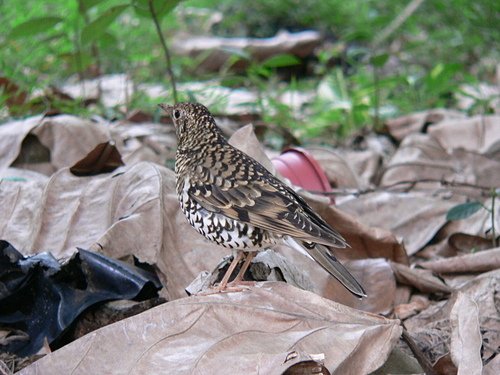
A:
x: 221, y: 229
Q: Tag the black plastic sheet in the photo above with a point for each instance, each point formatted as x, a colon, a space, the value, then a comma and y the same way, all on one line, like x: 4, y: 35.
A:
x: 41, y: 297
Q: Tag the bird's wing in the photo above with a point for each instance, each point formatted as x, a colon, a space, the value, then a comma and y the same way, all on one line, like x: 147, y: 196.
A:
x: 247, y: 192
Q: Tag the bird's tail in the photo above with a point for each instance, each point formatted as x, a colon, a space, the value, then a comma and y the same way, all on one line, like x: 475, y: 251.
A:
x: 327, y: 260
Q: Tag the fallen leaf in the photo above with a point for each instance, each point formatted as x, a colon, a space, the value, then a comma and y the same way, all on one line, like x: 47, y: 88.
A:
x: 423, y: 280
x: 466, y: 339
x: 413, y: 217
x: 217, y: 50
x: 432, y: 328
x: 417, y: 304
x: 400, y: 127
x: 477, y: 134
x: 422, y: 159
x: 104, y: 158
x: 481, y: 261
x: 231, y: 333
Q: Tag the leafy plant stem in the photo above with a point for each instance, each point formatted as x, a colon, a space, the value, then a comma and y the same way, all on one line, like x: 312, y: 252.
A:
x: 165, y: 49
x: 376, y: 97
x: 93, y: 49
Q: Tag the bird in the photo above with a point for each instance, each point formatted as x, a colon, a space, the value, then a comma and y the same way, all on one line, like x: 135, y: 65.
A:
x: 234, y: 201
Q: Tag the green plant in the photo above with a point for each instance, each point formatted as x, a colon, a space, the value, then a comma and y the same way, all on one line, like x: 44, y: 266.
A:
x: 465, y: 210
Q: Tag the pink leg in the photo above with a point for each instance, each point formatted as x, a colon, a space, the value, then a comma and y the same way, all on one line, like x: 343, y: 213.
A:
x: 244, y: 267
x: 223, y: 284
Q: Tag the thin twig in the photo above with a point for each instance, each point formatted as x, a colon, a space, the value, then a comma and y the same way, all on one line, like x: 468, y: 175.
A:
x: 412, y: 184
x: 165, y: 49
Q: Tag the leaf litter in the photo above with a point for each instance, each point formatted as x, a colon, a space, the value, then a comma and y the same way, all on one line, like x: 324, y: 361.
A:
x: 439, y: 278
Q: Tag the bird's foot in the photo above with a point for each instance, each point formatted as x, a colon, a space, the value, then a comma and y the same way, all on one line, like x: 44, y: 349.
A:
x: 231, y: 287
x: 237, y: 286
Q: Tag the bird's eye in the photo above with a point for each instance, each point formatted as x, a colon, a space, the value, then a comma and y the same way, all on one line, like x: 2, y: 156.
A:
x: 177, y: 114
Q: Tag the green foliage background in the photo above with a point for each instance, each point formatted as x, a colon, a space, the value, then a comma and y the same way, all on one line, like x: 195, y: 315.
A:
x: 440, y: 46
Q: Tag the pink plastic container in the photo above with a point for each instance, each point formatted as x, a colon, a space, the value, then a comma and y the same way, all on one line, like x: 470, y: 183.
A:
x: 302, y: 170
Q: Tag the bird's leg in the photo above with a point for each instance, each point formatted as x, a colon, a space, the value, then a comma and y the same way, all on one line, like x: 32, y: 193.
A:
x: 230, y: 270
x: 239, y: 277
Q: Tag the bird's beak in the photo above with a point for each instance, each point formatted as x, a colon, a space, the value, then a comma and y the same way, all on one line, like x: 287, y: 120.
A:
x: 167, y: 108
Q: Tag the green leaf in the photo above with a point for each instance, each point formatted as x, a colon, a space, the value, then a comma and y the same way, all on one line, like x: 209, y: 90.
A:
x: 87, y: 4
x: 108, y: 40
x: 463, y: 211
x: 161, y: 7
x: 96, y: 28
x: 34, y: 26
x: 379, y: 61
x: 281, y: 61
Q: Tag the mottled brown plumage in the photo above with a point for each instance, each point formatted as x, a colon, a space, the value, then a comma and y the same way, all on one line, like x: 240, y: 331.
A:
x: 234, y: 201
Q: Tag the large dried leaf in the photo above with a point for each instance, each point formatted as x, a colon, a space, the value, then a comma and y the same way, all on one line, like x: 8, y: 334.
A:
x: 477, y: 134
x: 144, y: 142
x: 465, y: 336
x: 233, y: 333
x: 413, y: 217
x: 400, y: 127
x: 11, y: 138
x: 217, y: 51
x: 432, y: 328
x: 340, y: 169
x: 421, y: 158
x: 133, y: 211
x: 59, y: 141
x: 375, y: 274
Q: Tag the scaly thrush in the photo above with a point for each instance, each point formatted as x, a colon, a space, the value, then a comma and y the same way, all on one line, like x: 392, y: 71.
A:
x: 232, y: 200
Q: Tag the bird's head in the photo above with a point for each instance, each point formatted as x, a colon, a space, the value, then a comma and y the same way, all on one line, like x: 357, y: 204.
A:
x: 194, y: 124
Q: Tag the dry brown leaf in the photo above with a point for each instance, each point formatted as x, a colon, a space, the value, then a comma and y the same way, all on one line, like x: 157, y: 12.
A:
x: 432, y: 328
x: 133, y: 211
x: 466, y: 243
x: 413, y: 217
x: 11, y: 138
x: 217, y: 50
x: 423, y: 280
x: 231, y: 333
x: 481, y: 261
x: 445, y: 366
x: 144, y: 142
x: 466, y: 339
x: 338, y: 169
x: 417, y: 304
x: 402, y: 295
x: 400, y: 127
x: 422, y: 157
x: 492, y: 367
x: 14, y: 96
x: 104, y: 158
x: 58, y: 141
x: 70, y: 211
x: 478, y: 134
x: 365, y: 241
x: 375, y: 275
